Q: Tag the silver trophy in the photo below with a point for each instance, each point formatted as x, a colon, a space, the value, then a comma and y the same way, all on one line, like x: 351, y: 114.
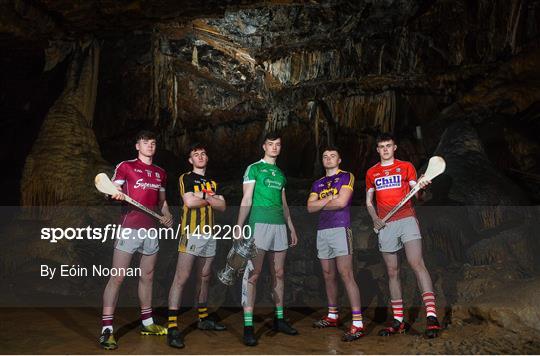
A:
x: 240, y: 253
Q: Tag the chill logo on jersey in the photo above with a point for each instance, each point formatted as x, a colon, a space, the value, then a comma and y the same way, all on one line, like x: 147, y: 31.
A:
x: 388, y: 182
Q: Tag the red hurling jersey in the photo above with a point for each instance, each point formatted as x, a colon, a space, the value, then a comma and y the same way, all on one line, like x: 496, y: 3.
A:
x: 142, y: 182
x: 391, y: 183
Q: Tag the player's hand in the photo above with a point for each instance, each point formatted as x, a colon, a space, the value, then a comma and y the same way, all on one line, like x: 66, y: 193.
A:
x: 119, y: 195
x: 378, y: 224
x: 335, y: 196
x: 294, y: 239
x: 423, y: 183
x: 167, y: 220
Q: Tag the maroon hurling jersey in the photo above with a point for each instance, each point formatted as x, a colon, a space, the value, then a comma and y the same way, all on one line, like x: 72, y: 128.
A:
x: 142, y: 182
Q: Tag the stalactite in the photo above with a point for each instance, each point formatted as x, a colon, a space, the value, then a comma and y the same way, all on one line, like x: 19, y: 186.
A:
x: 66, y: 156
x: 512, y: 27
x: 363, y: 111
x: 164, y: 95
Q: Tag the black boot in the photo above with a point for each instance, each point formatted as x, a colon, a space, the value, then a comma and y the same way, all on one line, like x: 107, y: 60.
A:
x: 284, y: 327
x: 432, y: 327
x: 175, y: 338
x: 249, y: 336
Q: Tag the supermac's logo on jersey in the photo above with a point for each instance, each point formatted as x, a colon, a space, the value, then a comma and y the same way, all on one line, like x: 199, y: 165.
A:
x: 388, y: 182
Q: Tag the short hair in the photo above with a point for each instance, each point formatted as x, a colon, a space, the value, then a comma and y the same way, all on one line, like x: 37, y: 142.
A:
x: 272, y: 136
x: 331, y: 148
x: 145, y: 135
x: 195, y: 147
x: 385, y: 136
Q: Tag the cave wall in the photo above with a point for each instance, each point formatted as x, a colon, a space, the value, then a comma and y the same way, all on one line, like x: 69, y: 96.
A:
x: 337, y: 72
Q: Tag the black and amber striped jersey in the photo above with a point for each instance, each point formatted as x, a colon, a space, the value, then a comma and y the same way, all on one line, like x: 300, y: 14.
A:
x: 193, y: 217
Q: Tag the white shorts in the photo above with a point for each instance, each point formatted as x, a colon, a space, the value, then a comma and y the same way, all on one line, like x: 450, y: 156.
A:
x: 138, y: 241
x: 334, y: 242
x: 397, y: 232
x: 270, y: 237
x: 198, y: 245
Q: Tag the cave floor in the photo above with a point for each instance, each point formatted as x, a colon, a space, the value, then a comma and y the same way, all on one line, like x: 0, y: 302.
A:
x: 75, y: 331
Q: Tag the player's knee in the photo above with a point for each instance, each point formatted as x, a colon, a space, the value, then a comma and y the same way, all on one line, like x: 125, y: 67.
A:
x: 279, y: 273
x: 393, y: 271
x: 205, y: 277
x: 346, y: 276
x: 116, y: 280
x: 180, y: 279
x: 329, y: 275
x: 147, y: 276
x: 253, y: 277
x: 417, y: 265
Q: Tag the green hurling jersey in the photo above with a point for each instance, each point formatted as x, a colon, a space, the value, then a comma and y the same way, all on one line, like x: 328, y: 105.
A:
x: 267, y: 205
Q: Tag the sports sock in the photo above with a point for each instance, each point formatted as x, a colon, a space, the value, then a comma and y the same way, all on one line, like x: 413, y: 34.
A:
x: 106, y: 322
x: 333, y: 311
x: 279, y: 312
x: 172, y: 321
x: 397, y: 309
x: 202, y: 309
x: 146, y: 316
x: 429, y: 302
x: 357, y: 319
x: 248, y: 318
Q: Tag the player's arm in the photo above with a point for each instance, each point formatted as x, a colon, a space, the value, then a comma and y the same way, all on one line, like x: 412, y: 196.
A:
x: 194, y: 200
x: 216, y: 202
x: 377, y: 222
x: 288, y: 219
x: 314, y: 204
x: 167, y: 219
x: 245, y: 205
x: 118, y: 179
x: 341, y: 200
x: 411, y: 177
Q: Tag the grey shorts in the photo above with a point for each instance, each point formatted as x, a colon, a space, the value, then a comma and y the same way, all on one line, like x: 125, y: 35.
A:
x: 198, y: 245
x: 334, y: 242
x: 270, y: 237
x: 396, y: 233
x: 138, y: 241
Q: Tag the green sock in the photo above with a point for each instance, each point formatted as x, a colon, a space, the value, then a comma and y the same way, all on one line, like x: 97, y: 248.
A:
x: 248, y: 318
x: 279, y: 312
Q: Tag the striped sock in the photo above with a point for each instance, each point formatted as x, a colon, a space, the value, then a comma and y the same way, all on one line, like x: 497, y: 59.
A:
x: 429, y: 302
x: 202, y: 308
x: 357, y: 319
x: 248, y: 318
x: 333, y: 311
x: 172, y: 319
x: 146, y: 316
x: 397, y: 309
x: 279, y: 312
x: 106, y: 322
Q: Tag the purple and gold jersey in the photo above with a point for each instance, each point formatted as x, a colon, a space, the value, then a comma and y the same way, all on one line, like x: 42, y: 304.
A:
x: 330, y: 186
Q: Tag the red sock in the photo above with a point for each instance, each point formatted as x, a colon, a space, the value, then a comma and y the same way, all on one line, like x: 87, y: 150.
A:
x: 397, y: 309
x: 429, y: 302
x: 146, y: 316
x: 106, y: 322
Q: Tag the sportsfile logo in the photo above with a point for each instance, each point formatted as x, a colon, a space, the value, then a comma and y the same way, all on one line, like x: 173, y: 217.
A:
x: 388, y: 182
